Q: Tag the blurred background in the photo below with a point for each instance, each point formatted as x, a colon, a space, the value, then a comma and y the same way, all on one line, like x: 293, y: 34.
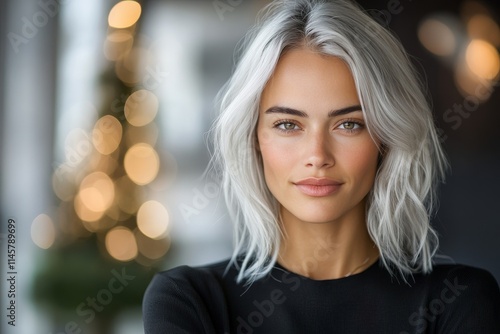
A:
x: 105, y: 108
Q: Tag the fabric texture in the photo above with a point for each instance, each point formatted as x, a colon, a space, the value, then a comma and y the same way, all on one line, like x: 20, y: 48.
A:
x: 452, y: 299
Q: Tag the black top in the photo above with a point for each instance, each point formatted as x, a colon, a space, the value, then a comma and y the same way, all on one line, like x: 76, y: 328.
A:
x: 452, y: 299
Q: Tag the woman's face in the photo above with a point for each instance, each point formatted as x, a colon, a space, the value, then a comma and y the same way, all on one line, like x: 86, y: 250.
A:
x: 311, y: 131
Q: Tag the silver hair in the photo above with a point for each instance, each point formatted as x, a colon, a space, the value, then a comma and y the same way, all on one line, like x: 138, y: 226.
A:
x: 396, y: 111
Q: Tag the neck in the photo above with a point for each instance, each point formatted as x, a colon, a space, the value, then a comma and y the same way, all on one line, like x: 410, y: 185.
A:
x: 327, y: 250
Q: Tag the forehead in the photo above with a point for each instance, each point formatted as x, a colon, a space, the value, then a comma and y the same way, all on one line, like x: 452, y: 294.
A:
x: 306, y: 80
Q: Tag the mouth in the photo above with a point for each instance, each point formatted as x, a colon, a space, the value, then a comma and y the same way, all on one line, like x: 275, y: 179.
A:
x: 318, y: 187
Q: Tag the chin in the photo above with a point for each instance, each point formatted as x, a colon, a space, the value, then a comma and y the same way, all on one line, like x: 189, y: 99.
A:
x: 317, y: 218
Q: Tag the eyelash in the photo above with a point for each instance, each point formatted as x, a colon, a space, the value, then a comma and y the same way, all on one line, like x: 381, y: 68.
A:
x: 287, y: 121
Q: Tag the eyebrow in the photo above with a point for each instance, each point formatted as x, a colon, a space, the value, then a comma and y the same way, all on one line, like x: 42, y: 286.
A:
x: 333, y: 113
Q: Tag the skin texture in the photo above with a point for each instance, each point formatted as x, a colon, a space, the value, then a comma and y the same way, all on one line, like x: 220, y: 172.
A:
x: 325, y: 237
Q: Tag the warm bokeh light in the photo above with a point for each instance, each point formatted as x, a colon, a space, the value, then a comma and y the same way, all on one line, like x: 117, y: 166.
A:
x: 117, y: 44
x: 43, y: 231
x: 132, y: 68
x: 116, y: 213
x: 124, y: 14
x: 471, y: 8
x: 97, y: 192
x: 483, y: 59
x: 484, y: 27
x: 103, y: 163
x: 121, y: 244
x: 142, y: 163
x: 152, y: 249
x: 470, y: 85
x: 104, y: 223
x: 84, y: 213
x: 107, y: 134
x: 153, y: 219
x: 141, y: 107
x: 169, y: 173
x: 437, y: 37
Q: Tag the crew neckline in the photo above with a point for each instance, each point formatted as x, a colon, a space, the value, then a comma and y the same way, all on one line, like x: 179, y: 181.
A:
x: 368, y: 269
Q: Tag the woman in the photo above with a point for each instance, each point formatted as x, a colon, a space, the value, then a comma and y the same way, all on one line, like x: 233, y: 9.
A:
x: 329, y: 159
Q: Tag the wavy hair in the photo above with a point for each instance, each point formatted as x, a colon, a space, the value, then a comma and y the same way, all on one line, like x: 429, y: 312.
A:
x: 396, y: 111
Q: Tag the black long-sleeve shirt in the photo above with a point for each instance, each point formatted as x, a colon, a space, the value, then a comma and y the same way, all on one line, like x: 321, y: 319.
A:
x: 452, y: 299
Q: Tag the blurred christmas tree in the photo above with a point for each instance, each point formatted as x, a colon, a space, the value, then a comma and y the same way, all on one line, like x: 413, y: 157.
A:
x: 106, y: 235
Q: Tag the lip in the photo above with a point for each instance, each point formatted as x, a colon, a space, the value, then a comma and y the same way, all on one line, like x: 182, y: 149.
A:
x: 318, y: 187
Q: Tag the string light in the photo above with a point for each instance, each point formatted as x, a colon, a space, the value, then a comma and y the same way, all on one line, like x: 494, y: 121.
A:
x: 124, y: 14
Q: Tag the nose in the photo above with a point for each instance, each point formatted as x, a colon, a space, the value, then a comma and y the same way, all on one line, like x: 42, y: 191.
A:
x: 319, y: 150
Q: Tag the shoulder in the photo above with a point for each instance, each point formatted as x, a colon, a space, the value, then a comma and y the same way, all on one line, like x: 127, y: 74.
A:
x: 184, y: 298
x: 468, y: 298
x: 464, y: 278
x: 191, y: 274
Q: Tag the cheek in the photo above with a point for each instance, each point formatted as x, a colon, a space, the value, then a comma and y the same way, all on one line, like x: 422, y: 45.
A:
x: 276, y: 156
x: 361, y: 161
x: 273, y: 159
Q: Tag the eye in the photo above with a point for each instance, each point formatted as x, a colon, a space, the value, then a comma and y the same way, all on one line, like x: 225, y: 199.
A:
x: 286, y: 126
x: 350, y: 126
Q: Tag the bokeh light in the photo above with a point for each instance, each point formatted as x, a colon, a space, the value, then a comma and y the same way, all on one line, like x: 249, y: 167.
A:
x: 124, y: 14
x: 142, y: 163
x: 483, y: 59
x: 131, y: 68
x: 102, y: 224
x: 437, y: 37
x: 116, y: 213
x: 84, y: 213
x: 107, y: 134
x: 97, y: 192
x: 121, y: 244
x: 484, y: 27
x: 103, y: 163
x: 469, y: 9
x: 152, y: 249
x: 153, y: 219
x: 117, y: 44
x: 43, y: 231
x: 470, y: 85
x: 141, y: 107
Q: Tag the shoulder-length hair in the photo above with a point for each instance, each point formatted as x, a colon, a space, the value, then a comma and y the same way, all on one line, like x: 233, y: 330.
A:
x: 396, y: 112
